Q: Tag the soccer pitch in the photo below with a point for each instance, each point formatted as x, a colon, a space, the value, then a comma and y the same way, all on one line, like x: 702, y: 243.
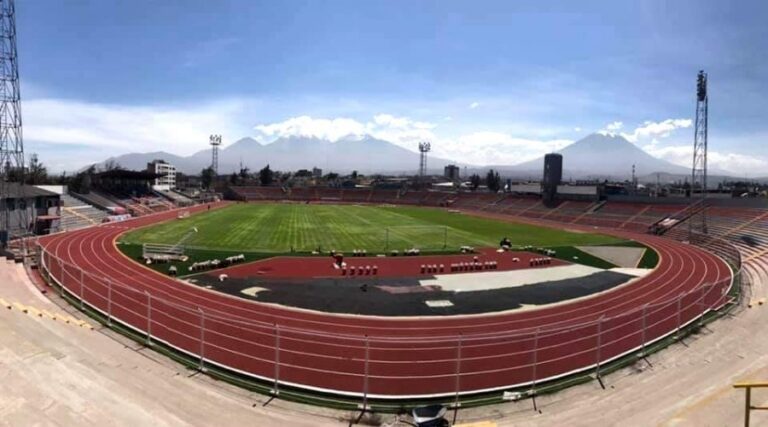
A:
x: 280, y: 228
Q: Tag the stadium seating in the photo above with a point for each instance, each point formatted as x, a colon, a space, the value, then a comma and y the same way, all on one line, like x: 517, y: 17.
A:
x: 176, y: 198
x: 76, y: 213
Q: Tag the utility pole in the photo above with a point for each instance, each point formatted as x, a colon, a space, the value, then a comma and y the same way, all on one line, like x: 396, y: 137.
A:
x: 699, y: 170
x: 11, y: 141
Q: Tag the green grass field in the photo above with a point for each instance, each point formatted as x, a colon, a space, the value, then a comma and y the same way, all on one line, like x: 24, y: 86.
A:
x: 281, y: 228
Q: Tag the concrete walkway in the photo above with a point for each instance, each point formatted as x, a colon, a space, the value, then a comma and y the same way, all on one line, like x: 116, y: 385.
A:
x: 55, y: 374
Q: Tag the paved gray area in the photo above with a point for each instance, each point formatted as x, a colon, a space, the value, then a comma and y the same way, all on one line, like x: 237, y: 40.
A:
x: 621, y: 256
x: 413, y: 296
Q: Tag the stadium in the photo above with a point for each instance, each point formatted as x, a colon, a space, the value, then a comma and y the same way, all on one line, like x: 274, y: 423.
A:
x: 305, y: 349
x: 171, y: 292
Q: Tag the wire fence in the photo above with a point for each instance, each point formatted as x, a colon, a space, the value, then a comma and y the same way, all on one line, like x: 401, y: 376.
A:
x: 388, y: 364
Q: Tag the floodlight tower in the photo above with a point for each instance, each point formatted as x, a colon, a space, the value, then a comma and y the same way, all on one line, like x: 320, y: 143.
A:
x: 699, y: 170
x: 424, y: 148
x: 215, y: 141
x: 11, y: 142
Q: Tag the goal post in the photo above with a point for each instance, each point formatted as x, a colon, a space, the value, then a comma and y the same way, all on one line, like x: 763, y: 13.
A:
x: 157, y: 251
x: 423, y: 237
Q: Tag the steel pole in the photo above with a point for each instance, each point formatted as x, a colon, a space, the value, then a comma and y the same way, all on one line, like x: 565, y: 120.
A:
x: 276, y: 387
x: 458, y: 372
x: 82, y: 281
x: 202, y: 338
x: 109, y: 302
x: 645, y: 322
x: 366, y: 371
x: 149, y: 317
x: 61, y: 283
x: 599, y: 344
x: 535, y: 366
x: 679, y: 314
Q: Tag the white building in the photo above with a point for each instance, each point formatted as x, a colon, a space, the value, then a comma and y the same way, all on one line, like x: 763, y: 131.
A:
x: 167, y: 179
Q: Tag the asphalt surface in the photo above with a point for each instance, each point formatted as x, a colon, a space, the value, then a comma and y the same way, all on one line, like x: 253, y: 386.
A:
x: 405, y: 297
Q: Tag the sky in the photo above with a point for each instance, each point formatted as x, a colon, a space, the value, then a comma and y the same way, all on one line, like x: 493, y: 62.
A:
x: 487, y: 82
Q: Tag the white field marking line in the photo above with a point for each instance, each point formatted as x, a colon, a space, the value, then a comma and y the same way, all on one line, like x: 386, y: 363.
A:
x: 688, y: 256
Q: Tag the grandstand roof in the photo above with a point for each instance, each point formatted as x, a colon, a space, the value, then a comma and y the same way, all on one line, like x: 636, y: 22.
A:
x: 129, y: 174
x: 15, y: 190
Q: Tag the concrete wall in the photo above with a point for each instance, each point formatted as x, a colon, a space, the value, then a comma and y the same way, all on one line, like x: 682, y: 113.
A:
x: 58, y: 189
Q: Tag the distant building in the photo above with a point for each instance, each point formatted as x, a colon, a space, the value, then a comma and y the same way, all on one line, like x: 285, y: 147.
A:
x: 25, y: 209
x: 317, y: 172
x: 452, y: 172
x: 166, y: 172
x: 553, y: 175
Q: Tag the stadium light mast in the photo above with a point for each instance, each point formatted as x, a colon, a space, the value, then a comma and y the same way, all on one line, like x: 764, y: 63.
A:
x: 11, y: 141
x: 215, y: 141
x: 699, y: 170
x: 424, y: 148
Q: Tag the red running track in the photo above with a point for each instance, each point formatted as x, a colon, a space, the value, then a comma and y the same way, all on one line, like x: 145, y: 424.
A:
x: 386, y: 357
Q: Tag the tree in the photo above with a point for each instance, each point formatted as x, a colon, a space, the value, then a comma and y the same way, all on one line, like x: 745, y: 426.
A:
x: 493, y: 181
x: 111, y: 165
x: 331, y: 176
x: 81, y: 182
x: 245, y: 173
x: 266, y: 175
x: 474, y: 181
x: 37, y: 173
x: 233, y: 178
x: 354, y: 175
x: 206, y: 177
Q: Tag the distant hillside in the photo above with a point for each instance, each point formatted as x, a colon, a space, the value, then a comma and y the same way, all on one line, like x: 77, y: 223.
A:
x: 598, y: 155
x: 366, y: 155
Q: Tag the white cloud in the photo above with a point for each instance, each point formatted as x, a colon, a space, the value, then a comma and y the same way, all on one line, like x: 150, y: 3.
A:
x: 661, y: 129
x: 483, y: 147
x: 577, y: 129
x: 495, y: 148
x: 399, y: 130
x: 611, y: 128
x: 117, y: 129
x: 474, y: 105
x: 738, y: 164
x: 306, y: 126
x: 658, y: 139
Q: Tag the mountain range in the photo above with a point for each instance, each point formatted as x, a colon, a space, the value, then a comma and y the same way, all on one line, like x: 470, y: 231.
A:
x: 595, y: 156
x: 366, y: 155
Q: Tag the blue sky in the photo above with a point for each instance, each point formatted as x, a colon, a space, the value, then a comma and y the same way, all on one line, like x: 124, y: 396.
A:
x: 486, y: 81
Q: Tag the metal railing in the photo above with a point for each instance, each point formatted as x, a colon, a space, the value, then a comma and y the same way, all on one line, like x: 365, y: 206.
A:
x: 748, y: 408
x: 410, y: 362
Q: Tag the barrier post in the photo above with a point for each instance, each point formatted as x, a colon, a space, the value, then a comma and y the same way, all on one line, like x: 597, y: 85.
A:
x: 458, y: 373
x: 643, y: 332
x: 599, y: 348
x: 149, y: 318
x: 109, y: 303
x: 276, y: 386
x: 535, y: 366
x: 702, y: 305
x: 366, y: 371
x: 202, y: 338
x: 82, y: 281
x: 61, y: 275
x: 679, y: 315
